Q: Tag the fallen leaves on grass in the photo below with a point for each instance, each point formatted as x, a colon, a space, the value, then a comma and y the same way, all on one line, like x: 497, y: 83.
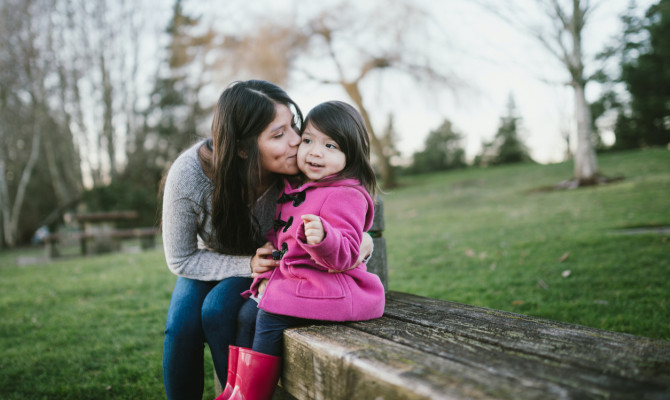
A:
x: 564, y: 256
x: 566, y: 273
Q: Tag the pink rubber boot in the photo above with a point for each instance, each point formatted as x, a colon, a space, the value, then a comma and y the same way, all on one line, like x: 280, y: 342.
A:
x: 257, y: 376
x: 233, y: 352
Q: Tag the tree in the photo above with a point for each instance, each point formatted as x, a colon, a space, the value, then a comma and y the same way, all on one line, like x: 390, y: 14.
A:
x: 645, y: 60
x: 562, y: 37
x: 442, y: 151
x: 336, y: 30
x: 506, y: 147
x: 350, y: 45
x: 175, y: 113
x: 64, y: 72
x: 24, y: 108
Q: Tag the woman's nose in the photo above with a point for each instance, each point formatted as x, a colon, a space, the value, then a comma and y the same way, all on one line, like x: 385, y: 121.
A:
x: 294, y: 138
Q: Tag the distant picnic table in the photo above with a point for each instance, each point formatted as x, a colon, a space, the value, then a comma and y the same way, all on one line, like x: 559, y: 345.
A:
x: 99, y: 232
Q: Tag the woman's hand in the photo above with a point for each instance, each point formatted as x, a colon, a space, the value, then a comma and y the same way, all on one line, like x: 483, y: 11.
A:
x: 367, y: 246
x: 262, y: 261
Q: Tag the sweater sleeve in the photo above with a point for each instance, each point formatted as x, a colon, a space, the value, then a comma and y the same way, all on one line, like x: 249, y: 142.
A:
x: 343, y: 227
x: 184, y: 204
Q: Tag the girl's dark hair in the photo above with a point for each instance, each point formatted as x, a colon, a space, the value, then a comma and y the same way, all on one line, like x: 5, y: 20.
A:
x: 345, y: 125
x: 242, y: 113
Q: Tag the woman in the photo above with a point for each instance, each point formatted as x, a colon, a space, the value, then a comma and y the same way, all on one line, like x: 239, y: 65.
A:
x: 219, y: 200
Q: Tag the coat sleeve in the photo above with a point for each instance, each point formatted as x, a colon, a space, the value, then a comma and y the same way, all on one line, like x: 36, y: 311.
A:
x: 343, y: 215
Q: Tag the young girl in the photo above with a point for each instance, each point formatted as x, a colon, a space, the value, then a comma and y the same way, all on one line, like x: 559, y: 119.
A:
x: 318, y: 230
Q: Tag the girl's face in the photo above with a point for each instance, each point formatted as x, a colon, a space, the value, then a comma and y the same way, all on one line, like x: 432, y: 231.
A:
x: 278, y: 144
x: 318, y: 155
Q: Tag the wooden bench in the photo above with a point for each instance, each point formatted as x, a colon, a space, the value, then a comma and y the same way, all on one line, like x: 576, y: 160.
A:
x: 425, y: 348
x: 98, y: 233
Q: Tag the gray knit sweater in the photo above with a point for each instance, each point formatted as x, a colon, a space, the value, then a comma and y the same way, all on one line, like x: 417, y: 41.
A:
x: 188, y: 236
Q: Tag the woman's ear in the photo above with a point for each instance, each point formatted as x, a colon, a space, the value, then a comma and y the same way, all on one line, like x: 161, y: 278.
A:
x: 242, y: 153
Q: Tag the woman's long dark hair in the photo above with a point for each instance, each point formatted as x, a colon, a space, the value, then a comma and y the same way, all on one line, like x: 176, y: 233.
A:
x: 345, y: 125
x: 242, y: 113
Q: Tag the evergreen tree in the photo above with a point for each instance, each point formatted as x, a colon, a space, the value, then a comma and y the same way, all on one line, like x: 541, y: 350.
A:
x: 506, y: 147
x: 172, y: 121
x: 645, y: 72
x: 442, y: 151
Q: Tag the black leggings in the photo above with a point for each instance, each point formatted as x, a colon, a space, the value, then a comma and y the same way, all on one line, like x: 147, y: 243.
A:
x: 263, y: 331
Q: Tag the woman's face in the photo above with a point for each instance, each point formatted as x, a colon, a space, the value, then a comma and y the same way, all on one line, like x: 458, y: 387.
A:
x: 278, y: 144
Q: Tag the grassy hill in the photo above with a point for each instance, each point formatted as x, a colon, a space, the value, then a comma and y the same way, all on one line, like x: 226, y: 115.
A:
x: 499, y: 238
x: 85, y: 328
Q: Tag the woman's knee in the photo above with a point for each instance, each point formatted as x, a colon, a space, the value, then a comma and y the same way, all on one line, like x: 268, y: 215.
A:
x: 183, y: 318
x: 223, y: 302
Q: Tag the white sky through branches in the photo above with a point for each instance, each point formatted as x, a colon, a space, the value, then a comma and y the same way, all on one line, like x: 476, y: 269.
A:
x: 491, y: 58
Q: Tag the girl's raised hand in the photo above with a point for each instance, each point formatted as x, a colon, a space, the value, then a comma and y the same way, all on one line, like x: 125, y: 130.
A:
x: 314, y: 232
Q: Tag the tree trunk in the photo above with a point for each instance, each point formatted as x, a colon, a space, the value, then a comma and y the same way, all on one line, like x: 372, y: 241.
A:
x: 108, y: 113
x: 386, y: 172
x: 586, y: 166
x: 11, y: 220
x: 4, y: 203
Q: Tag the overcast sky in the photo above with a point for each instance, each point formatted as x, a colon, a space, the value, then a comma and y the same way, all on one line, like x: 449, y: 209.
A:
x: 494, y: 59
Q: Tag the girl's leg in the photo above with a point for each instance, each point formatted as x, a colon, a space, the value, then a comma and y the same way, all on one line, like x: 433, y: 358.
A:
x: 259, y: 368
x: 270, y: 332
x: 183, y: 370
x: 219, y: 319
x: 246, y: 324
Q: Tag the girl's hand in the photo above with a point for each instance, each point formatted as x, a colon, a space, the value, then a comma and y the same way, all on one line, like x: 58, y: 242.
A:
x: 262, y: 261
x: 314, y: 232
x: 262, y: 286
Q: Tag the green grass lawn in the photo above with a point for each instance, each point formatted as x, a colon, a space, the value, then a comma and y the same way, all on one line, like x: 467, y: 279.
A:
x: 494, y: 238
x: 85, y: 328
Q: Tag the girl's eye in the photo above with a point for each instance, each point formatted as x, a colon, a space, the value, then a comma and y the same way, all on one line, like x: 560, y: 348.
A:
x: 331, y: 146
x: 306, y: 141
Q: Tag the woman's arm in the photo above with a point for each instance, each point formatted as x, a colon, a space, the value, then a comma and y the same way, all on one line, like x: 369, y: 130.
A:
x: 184, y: 202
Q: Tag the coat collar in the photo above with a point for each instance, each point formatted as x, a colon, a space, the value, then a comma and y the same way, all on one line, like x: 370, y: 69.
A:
x: 290, y: 188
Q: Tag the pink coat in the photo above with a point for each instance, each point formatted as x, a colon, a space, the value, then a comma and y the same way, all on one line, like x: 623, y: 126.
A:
x: 302, y: 286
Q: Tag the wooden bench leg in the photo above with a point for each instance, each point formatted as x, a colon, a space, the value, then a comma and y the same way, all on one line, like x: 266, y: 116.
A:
x: 147, y: 242
x: 51, y: 249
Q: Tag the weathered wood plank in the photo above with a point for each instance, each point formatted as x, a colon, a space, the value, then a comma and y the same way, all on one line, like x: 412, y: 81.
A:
x: 580, y: 346
x: 559, y: 376
x: 430, y: 349
x: 337, y: 362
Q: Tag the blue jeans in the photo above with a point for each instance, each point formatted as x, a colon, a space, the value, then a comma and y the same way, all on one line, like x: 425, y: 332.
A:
x: 264, y: 331
x: 199, y: 312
